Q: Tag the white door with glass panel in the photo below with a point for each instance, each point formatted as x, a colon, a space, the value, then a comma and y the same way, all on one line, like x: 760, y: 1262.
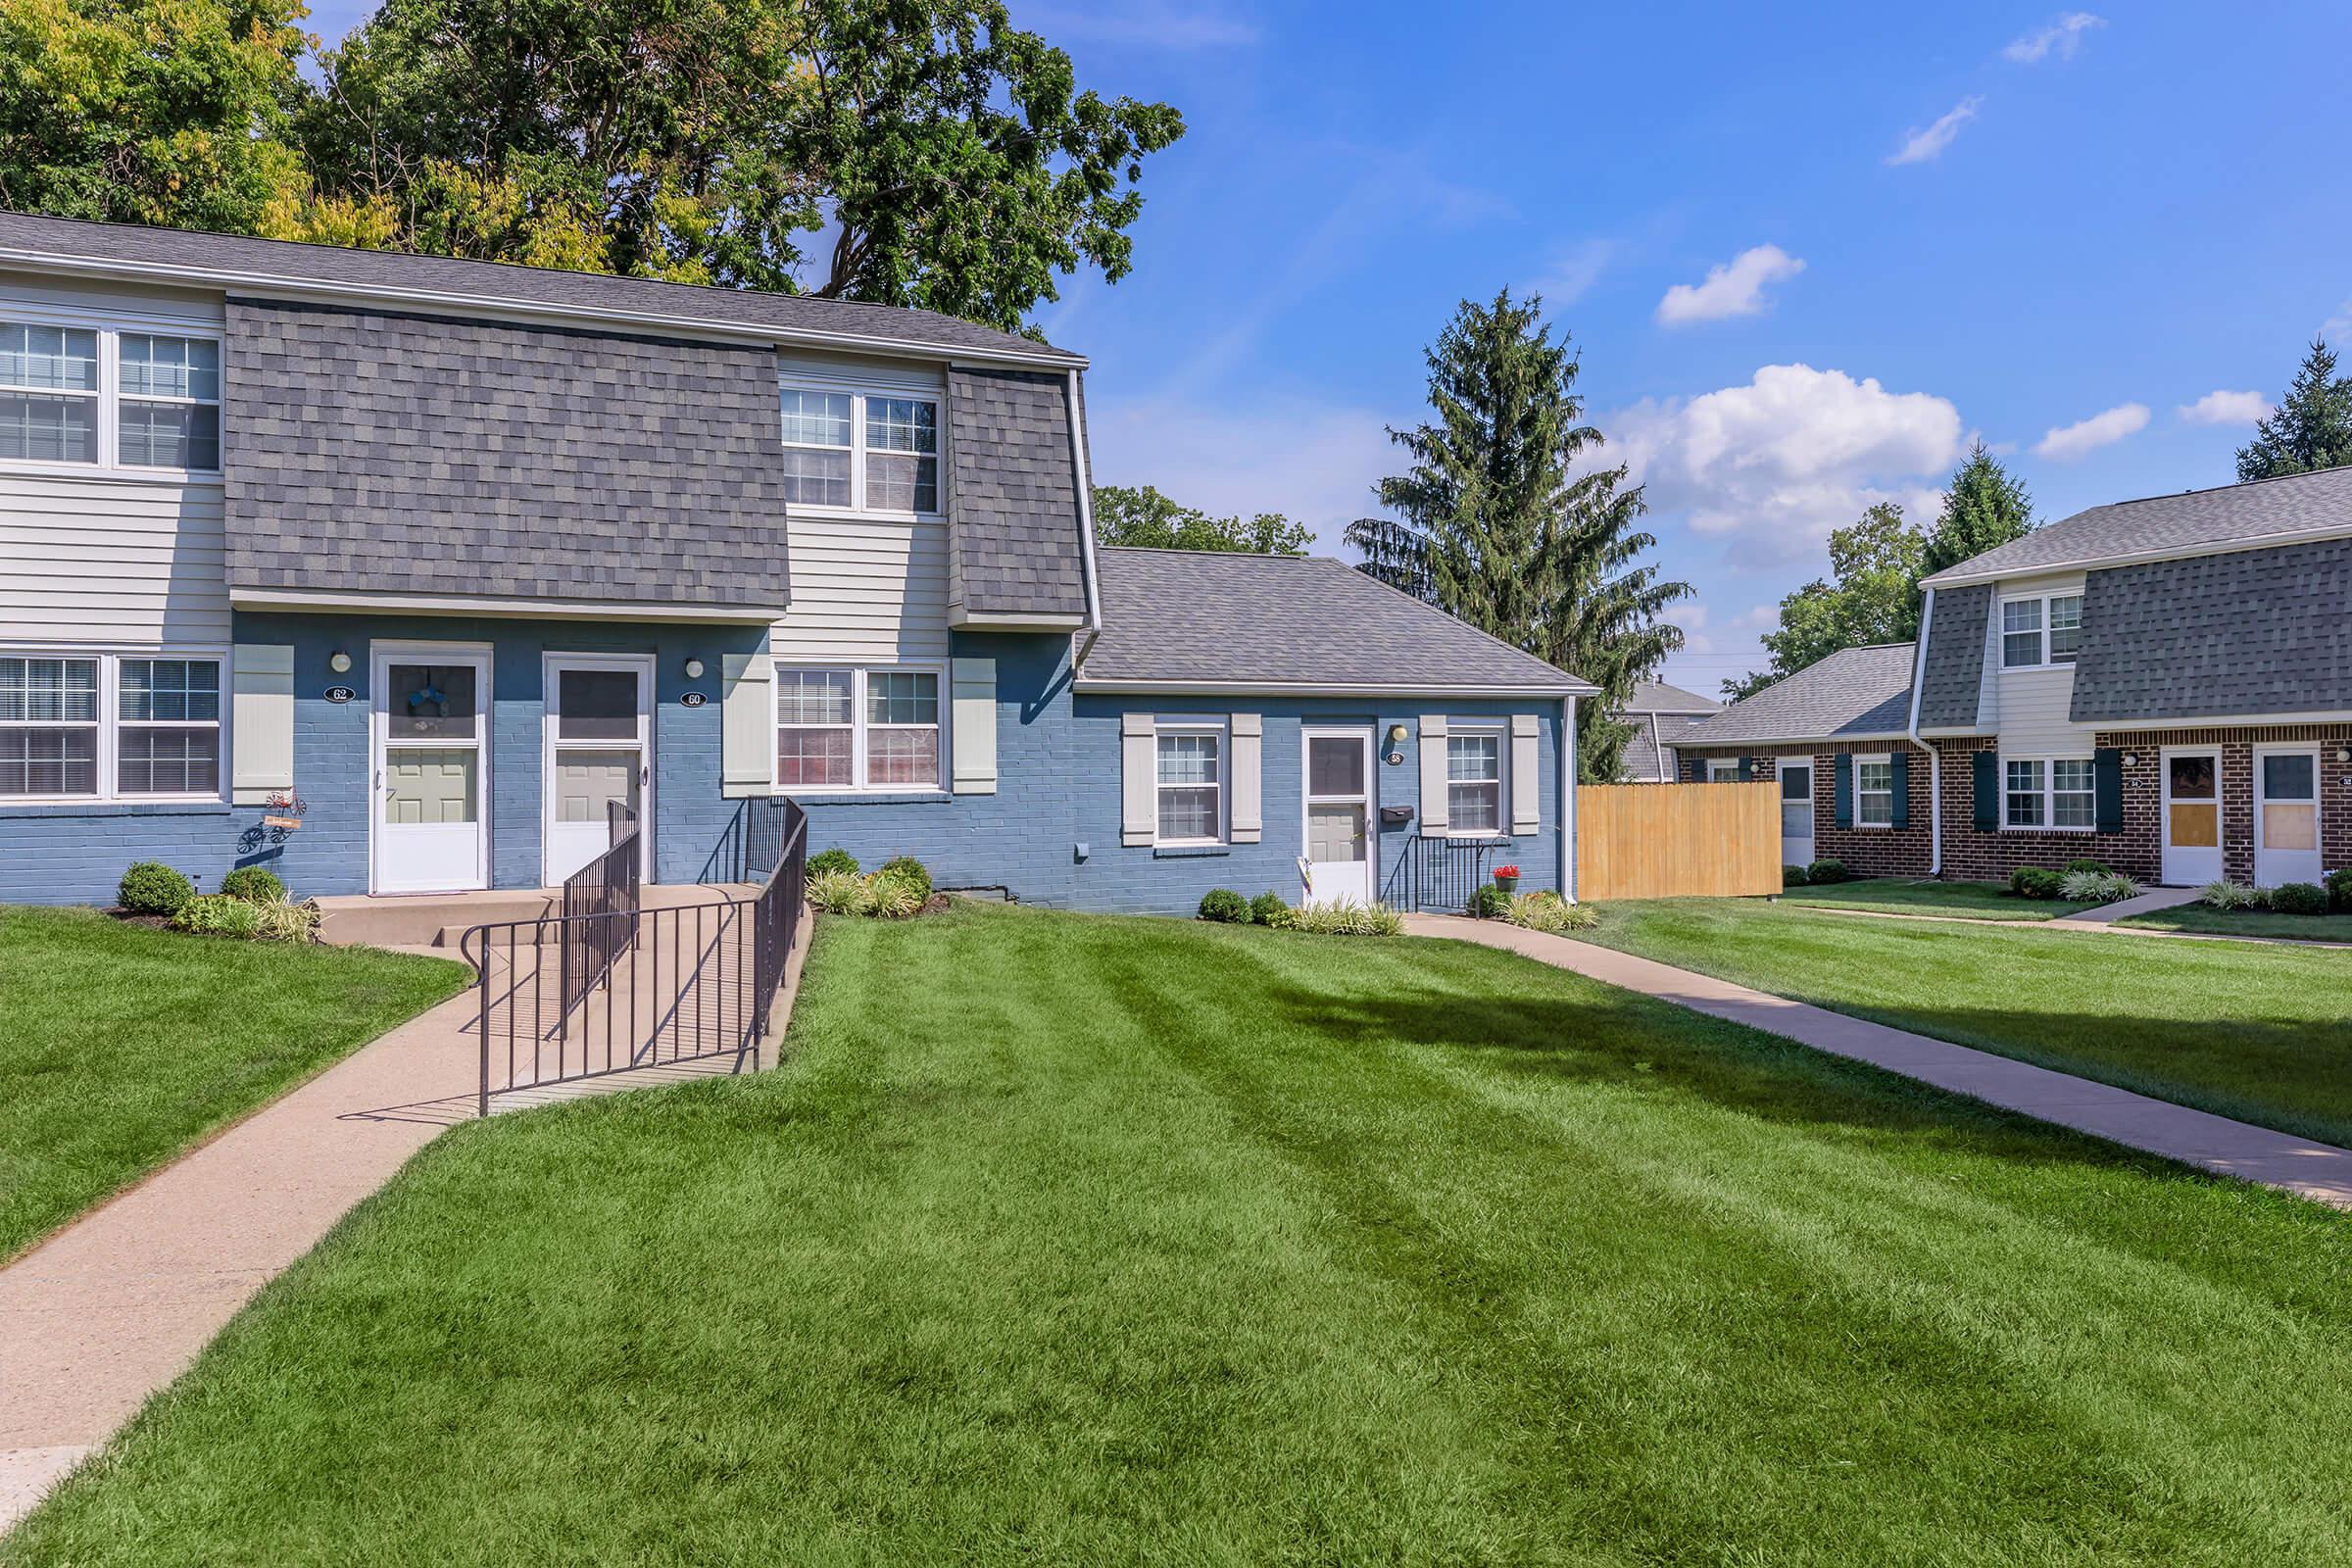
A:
x: 2287, y: 816
x: 432, y: 767
x: 600, y: 754
x: 1797, y: 811
x: 1339, y: 816
x: 2193, y: 818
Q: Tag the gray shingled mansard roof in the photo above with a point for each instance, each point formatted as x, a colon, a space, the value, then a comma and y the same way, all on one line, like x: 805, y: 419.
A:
x: 2261, y: 513
x: 1186, y: 617
x: 1853, y: 694
x: 275, y: 267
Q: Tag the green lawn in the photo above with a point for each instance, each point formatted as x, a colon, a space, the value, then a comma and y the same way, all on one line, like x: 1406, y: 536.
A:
x: 1965, y: 901
x: 2248, y: 923
x: 1073, y: 1239
x: 121, y: 1046
x: 2260, y: 1033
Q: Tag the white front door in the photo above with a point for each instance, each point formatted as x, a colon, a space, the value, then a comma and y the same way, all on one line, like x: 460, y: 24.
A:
x: 2193, y: 818
x: 1338, y: 857
x: 1797, y: 811
x: 599, y: 730
x: 430, y: 827
x: 2286, y: 816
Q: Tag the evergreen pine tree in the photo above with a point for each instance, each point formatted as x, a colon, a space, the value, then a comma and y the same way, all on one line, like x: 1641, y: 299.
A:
x: 2312, y: 426
x: 1985, y: 506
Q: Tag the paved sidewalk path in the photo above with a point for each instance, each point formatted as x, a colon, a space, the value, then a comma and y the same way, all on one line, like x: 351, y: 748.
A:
x: 2061, y: 924
x: 2314, y: 1170
x: 2147, y: 902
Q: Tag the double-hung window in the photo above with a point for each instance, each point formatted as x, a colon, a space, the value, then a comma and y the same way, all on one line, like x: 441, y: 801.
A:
x: 105, y: 397
x: 1474, y: 782
x: 167, y: 726
x: 2060, y: 793
x: 1873, y: 792
x: 1189, y: 775
x: 858, y: 729
x: 860, y: 451
x: 102, y: 726
x: 48, y: 727
x: 2040, y: 631
x: 2074, y: 793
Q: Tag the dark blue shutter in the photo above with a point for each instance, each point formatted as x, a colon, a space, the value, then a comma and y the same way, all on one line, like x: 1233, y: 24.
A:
x: 1748, y: 769
x: 1899, y: 768
x: 1842, y: 770
x: 2107, y: 775
x: 1986, y: 767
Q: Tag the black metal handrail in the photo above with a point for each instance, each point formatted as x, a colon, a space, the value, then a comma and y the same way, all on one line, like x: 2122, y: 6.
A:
x: 599, y: 909
x: 1441, y: 875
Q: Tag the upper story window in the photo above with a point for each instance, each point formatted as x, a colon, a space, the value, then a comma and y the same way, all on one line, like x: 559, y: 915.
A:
x: 2045, y: 629
x: 860, y: 451
x: 107, y: 397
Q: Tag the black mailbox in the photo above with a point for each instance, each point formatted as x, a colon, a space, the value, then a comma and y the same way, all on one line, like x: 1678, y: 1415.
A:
x: 1395, y: 815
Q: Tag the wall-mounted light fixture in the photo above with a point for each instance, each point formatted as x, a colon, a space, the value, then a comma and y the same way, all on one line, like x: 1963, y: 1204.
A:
x: 1396, y: 734
x: 338, y: 662
x: 694, y: 670
x: 2343, y: 753
x: 2131, y: 759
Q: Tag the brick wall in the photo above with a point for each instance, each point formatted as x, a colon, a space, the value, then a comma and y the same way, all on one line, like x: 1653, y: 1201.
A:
x: 1865, y: 850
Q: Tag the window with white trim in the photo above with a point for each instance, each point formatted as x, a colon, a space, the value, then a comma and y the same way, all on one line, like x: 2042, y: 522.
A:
x: 860, y: 451
x: 78, y: 395
x: 1723, y: 771
x: 2049, y: 793
x: 1873, y: 792
x: 1189, y: 777
x: 103, y: 726
x: 2039, y: 631
x: 858, y: 729
x: 1474, y: 781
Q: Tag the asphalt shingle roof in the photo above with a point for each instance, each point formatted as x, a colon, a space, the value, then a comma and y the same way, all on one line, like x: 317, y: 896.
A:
x: 2264, y: 512
x: 1858, y: 691
x: 256, y: 264
x: 1656, y: 697
x: 1187, y: 616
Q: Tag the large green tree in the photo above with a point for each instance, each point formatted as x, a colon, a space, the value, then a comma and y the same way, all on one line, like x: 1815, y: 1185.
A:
x: 1126, y: 514
x: 2312, y: 426
x: 905, y: 152
x: 168, y: 112
x: 1984, y: 505
x: 1872, y: 596
x: 1501, y: 522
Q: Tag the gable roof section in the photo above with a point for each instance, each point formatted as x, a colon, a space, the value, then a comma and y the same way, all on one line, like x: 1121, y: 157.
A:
x: 1656, y: 697
x: 1855, y: 693
x: 1178, y: 619
x: 2252, y: 632
x: 1951, y: 681
x: 2239, y: 517
x: 282, y: 268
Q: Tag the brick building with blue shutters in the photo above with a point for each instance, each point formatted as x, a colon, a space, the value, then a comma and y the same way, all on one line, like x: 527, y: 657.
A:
x: 399, y: 574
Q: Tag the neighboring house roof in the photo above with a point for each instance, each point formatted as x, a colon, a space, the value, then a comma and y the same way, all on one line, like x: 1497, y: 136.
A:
x: 1656, y: 697
x: 265, y: 267
x: 1178, y: 619
x: 1645, y: 759
x: 1855, y: 693
x: 2193, y: 522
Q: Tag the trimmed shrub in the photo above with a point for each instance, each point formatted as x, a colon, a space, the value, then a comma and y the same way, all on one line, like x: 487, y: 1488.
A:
x: 2339, y: 891
x: 2036, y: 882
x: 2230, y: 895
x: 2299, y: 898
x: 219, y: 915
x: 896, y: 895
x: 1266, y: 907
x: 1547, y: 911
x: 1488, y: 902
x: 913, y: 870
x: 1225, y: 906
x: 281, y: 921
x: 839, y: 892
x: 2096, y: 886
x: 154, y: 888
x: 2094, y: 867
x: 255, y: 884
x: 1825, y: 873
x: 1344, y: 917
x: 826, y: 861
x: 1794, y: 876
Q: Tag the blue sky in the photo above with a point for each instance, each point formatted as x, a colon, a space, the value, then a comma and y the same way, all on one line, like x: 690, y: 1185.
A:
x: 1933, y: 223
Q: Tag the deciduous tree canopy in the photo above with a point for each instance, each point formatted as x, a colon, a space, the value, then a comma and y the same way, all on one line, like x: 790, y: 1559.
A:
x: 1129, y: 516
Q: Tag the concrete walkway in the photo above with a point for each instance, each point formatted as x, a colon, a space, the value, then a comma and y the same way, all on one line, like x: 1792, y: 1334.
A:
x: 2314, y: 1170
x: 2147, y: 902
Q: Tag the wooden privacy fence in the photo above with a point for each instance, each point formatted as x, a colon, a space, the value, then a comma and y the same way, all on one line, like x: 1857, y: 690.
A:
x: 1669, y: 841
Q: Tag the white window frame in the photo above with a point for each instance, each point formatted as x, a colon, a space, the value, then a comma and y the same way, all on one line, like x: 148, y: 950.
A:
x: 1864, y: 760
x: 1217, y: 730
x: 110, y: 326
x: 1723, y: 771
x: 2044, y: 658
x: 2048, y: 791
x: 1500, y: 732
x: 859, y: 726
x: 858, y: 391
x: 111, y: 724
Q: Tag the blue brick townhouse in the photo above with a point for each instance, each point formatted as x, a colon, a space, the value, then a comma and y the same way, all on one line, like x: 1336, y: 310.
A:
x: 394, y: 573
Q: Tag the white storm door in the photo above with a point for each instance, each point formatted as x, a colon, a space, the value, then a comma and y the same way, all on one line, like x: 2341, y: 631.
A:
x: 599, y: 730
x: 2287, y: 816
x: 1797, y: 811
x: 431, y: 821
x: 1338, y: 766
x: 2193, y: 818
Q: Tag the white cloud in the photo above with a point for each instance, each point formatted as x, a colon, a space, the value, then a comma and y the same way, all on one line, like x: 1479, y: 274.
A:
x: 1925, y: 146
x: 1314, y: 463
x: 2225, y: 408
x: 2071, y: 441
x: 1733, y: 288
x: 2061, y: 38
x: 1575, y: 271
x: 1149, y: 25
x: 1770, y: 468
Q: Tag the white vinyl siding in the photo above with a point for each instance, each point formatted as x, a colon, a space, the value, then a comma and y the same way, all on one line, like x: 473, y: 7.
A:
x: 2028, y: 706
x: 110, y: 561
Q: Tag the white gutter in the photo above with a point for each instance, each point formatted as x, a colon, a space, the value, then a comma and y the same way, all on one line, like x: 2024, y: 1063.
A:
x: 1919, y: 671
x: 1568, y: 799
x: 1086, y: 527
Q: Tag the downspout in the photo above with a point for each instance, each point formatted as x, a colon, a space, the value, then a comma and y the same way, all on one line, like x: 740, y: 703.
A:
x: 1079, y: 467
x: 1919, y: 671
x: 1568, y: 799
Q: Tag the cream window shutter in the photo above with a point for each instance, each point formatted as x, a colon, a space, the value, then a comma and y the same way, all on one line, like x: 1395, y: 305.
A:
x: 1527, y: 794
x: 1139, y: 779
x: 975, y: 712
x: 1433, y: 772
x: 260, y: 722
x: 747, y: 726
x: 1248, y: 777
